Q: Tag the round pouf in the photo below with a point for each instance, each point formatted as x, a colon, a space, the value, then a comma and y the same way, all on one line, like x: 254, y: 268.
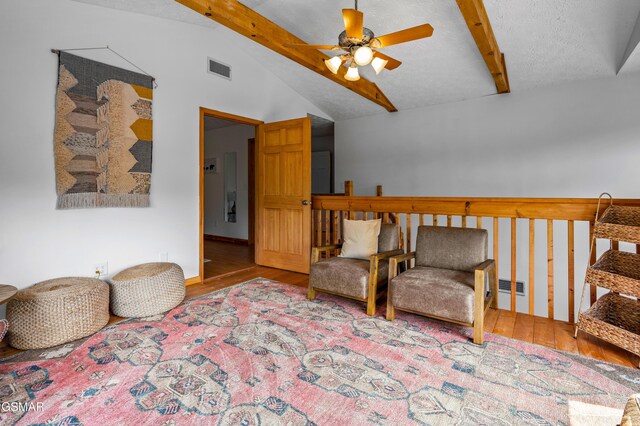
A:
x: 146, y: 290
x: 57, y: 311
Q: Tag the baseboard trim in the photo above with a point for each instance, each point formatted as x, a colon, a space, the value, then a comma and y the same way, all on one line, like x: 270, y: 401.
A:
x: 192, y: 281
x: 226, y: 239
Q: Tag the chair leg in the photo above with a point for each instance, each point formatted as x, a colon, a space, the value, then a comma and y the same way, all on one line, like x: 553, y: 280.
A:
x: 478, y: 308
x: 372, y: 288
x: 478, y: 334
x: 371, y: 306
x: 311, y: 294
x: 391, y: 312
x: 371, y: 295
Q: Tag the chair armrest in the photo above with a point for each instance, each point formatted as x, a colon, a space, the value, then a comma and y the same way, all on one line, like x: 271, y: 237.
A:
x: 486, y: 268
x: 386, y: 254
x: 374, y: 261
x: 315, y: 251
x: 486, y: 265
x: 394, y: 260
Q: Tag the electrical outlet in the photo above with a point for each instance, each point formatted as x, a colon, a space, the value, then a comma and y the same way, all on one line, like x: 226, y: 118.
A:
x: 101, y: 270
x: 164, y: 256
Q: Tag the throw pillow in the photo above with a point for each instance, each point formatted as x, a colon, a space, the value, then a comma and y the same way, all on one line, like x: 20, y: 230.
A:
x: 360, y: 238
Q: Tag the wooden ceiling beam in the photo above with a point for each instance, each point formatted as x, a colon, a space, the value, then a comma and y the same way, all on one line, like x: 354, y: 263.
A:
x: 243, y: 20
x: 478, y: 22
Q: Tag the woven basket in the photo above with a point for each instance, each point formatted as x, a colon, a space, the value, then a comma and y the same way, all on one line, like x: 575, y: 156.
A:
x: 614, y: 318
x: 57, y: 311
x: 617, y: 271
x: 619, y: 223
x: 146, y: 290
x: 631, y: 415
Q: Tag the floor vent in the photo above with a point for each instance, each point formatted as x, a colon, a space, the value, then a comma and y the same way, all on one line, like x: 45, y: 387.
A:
x: 504, y: 286
x: 219, y: 69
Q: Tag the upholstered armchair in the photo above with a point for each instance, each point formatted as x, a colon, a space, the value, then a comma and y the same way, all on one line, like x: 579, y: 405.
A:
x: 354, y: 278
x: 448, y: 280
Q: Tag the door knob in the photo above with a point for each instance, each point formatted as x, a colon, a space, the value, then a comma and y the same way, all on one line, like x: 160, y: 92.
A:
x: 305, y: 202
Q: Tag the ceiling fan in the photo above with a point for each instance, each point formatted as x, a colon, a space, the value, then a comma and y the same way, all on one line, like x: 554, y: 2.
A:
x: 361, y: 45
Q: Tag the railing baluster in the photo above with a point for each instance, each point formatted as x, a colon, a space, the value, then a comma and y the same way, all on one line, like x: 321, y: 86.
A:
x: 464, y: 221
x: 513, y: 264
x: 319, y: 227
x: 479, y: 222
x: 421, y: 220
x: 327, y: 227
x: 435, y: 220
x: 408, y: 228
x: 571, y: 270
x: 448, y: 221
x: 400, y: 236
x: 532, y: 261
x: 313, y: 228
x: 496, y: 242
x: 593, y: 295
x: 550, y: 314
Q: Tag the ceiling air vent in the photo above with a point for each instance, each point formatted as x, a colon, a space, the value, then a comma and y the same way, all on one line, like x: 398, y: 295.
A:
x: 504, y: 286
x: 219, y: 69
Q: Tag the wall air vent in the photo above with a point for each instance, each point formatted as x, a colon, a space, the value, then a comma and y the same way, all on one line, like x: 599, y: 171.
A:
x: 504, y: 286
x: 219, y: 69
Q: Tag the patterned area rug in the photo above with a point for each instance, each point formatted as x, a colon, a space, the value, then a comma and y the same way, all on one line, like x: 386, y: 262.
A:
x: 260, y: 353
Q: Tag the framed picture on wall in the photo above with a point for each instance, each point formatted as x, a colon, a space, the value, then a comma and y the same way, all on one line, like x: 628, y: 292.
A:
x: 210, y: 166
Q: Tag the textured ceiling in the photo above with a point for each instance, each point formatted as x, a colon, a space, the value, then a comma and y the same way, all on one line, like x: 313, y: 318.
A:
x: 545, y: 42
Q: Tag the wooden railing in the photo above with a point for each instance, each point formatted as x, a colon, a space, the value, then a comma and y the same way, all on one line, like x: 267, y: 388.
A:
x: 329, y: 210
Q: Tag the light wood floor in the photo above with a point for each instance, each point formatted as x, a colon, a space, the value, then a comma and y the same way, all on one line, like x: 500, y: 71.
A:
x: 226, y: 258
x: 541, y: 331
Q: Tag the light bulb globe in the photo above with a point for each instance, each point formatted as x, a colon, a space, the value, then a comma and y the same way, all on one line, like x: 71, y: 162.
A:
x: 378, y: 64
x: 333, y: 64
x: 352, y: 74
x: 363, y: 55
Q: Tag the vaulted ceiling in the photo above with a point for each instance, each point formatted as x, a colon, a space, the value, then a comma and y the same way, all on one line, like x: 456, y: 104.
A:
x: 545, y: 42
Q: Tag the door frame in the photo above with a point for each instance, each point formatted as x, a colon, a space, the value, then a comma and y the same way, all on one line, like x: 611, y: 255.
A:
x: 206, y: 112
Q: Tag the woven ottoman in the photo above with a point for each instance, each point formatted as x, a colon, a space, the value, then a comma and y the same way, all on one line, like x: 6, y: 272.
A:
x: 146, y: 290
x: 631, y: 416
x: 57, y: 311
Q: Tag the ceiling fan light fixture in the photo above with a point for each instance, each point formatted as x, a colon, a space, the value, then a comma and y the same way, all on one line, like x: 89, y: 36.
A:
x: 333, y: 64
x: 363, y: 55
x: 352, y: 73
x: 378, y: 64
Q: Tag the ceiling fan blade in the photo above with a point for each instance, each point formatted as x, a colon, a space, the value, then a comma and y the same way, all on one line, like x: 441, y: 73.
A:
x: 392, y: 64
x: 313, y: 46
x: 353, y: 22
x: 410, y: 34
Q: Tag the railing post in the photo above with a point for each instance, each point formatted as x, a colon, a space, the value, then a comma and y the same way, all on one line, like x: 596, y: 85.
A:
x: 348, y: 192
x: 348, y: 188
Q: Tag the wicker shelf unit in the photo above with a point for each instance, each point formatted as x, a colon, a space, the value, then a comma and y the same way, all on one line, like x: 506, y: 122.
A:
x: 615, y: 317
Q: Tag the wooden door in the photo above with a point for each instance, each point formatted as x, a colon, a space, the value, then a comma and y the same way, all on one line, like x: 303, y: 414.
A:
x: 283, y: 195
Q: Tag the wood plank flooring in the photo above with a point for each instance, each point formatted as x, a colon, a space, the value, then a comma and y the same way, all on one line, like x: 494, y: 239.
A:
x: 226, y: 257
x: 538, y: 330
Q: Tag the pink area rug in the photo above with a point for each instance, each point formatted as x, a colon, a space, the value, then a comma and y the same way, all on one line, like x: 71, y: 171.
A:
x: 260, y: 353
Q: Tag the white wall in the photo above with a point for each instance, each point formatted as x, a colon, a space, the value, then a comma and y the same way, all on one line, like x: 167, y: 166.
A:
x: 216, y: 143
x: 38, y: 242
x: 575, y: 140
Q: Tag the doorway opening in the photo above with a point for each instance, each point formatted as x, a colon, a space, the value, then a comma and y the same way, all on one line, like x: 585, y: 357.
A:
x: 227, y: 191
